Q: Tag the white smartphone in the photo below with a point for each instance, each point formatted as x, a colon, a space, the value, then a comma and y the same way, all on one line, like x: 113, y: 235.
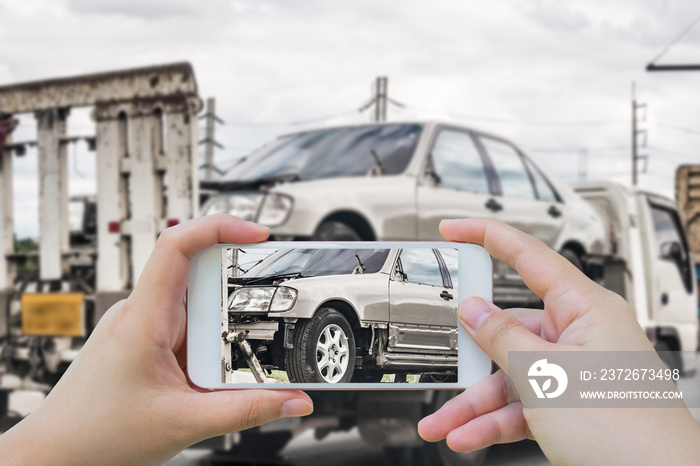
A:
x: 335, y: 315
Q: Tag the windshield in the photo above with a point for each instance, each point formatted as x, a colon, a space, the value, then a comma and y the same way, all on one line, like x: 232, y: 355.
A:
x: 318, y: 262
x: 332, y: 153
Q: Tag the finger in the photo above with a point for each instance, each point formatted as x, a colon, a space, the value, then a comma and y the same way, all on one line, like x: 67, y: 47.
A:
x: 497, y: 332
x: 501, y: 426
x: 541, y: 268
x: 532, y: 319
x: 485, y: 396
x: 217, y: 413
x: 167, y: 269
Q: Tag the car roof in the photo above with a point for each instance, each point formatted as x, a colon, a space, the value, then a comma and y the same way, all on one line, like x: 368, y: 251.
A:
x: 430, y: 122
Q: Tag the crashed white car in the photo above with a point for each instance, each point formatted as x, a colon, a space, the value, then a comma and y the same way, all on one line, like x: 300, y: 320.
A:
x: 396, y: 181
x: 341, y: 315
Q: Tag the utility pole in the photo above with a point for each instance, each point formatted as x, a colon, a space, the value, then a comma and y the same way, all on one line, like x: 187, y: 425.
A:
x: 235, y: 273
x: 381, y: 96
x: 582, y: 164
x: 635, y: 133
x: 209, y: 140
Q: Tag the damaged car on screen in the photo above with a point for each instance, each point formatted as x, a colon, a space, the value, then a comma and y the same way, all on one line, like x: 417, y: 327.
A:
x: 349, y: 315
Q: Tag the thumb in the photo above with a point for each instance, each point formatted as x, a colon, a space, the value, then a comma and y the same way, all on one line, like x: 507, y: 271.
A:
x: 496, y: 331
x: 220, y: 412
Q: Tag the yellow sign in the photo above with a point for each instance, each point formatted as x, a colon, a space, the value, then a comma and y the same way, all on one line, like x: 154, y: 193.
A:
x: 56, y: 314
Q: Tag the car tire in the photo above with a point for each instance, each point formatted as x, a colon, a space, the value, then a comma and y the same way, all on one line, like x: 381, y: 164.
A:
x: 308, y: 362
x: 336, y: 231
x: 669, y: 357
x: 433, y: 454
x: 572, y: 257
x: 256, y: 445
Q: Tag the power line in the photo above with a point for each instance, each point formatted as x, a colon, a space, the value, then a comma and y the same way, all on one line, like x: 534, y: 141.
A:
x: 509, y: 120
x: 672, y: 152
x: 673, y: 42
x: 300, y: 122
x: 678, y: 128
x: 576, y: 149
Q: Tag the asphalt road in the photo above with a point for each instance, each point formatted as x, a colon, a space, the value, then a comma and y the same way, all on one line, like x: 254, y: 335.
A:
x: 347, y: 448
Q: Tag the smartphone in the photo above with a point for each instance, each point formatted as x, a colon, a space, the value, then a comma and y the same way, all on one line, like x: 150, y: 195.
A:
x: 335, y: 315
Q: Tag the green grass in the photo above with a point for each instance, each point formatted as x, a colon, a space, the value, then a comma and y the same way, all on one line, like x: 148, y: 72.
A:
x: 410, y: 378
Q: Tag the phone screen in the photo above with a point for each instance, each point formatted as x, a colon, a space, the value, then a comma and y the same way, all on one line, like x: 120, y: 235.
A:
x: 342, y: 315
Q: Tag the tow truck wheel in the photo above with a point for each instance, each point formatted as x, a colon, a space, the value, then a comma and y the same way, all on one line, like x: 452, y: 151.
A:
x: 324, y: 350
x: 336, y: 231
x: 572, y: 257
x: 254, y: 444
x: 670, y: 358
x: 435, y: 454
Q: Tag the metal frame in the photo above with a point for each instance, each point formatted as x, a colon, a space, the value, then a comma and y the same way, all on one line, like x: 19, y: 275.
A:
x: 146, y: 149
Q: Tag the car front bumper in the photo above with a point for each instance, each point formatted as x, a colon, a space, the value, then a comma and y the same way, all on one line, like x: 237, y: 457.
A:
x: 261, y: 330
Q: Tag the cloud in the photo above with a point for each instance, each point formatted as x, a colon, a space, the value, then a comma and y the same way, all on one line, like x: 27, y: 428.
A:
x: 280, y: 61
x: 147, y: 9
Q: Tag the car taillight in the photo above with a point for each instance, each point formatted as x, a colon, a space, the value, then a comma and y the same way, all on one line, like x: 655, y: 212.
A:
x: 114, y: 227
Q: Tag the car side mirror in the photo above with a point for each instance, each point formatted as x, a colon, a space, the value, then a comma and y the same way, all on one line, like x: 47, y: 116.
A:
x: 672, y: 250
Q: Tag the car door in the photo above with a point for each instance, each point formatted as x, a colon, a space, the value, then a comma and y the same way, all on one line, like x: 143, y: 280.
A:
x: 454, y: 182
x: 518, y: 184
x: 672, y: 296
x: 519, y: 205
x: 422, y: 303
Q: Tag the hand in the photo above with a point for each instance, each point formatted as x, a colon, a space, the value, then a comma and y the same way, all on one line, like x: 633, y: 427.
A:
x: 578, y: 315
x: 126, y: 399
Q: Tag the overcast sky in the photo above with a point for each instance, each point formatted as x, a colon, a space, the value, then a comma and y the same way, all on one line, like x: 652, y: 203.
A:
x: 538, y: 67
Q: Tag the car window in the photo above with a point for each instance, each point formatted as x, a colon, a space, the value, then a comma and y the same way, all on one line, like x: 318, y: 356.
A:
x: 451, y: 261
x: 318, y: 262
x: 509, y: 167
x: 544, y: 189
x: 670, y: 242
x: 330, y: 153
x: 421, y: 266
x: 457, y: 162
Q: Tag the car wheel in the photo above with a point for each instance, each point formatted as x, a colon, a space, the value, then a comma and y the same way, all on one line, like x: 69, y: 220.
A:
x: 670, y: 358
x: 572, y: 257
x: 254, y: 444
x: 433, y: 454
x: 323, y: 350
x: 336, y: 231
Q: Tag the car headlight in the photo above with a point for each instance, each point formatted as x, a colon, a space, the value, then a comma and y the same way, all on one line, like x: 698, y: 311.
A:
x: 262, y: 299
x: 275, y: 209
x: 243, y: 205
x: 252, y: 300
x: 284, y: 299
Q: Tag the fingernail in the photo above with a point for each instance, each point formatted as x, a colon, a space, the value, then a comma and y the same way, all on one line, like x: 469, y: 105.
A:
x: 474, y: 310
x: 258, y: 226
x: 448, y: 221
x: 296, y: 407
